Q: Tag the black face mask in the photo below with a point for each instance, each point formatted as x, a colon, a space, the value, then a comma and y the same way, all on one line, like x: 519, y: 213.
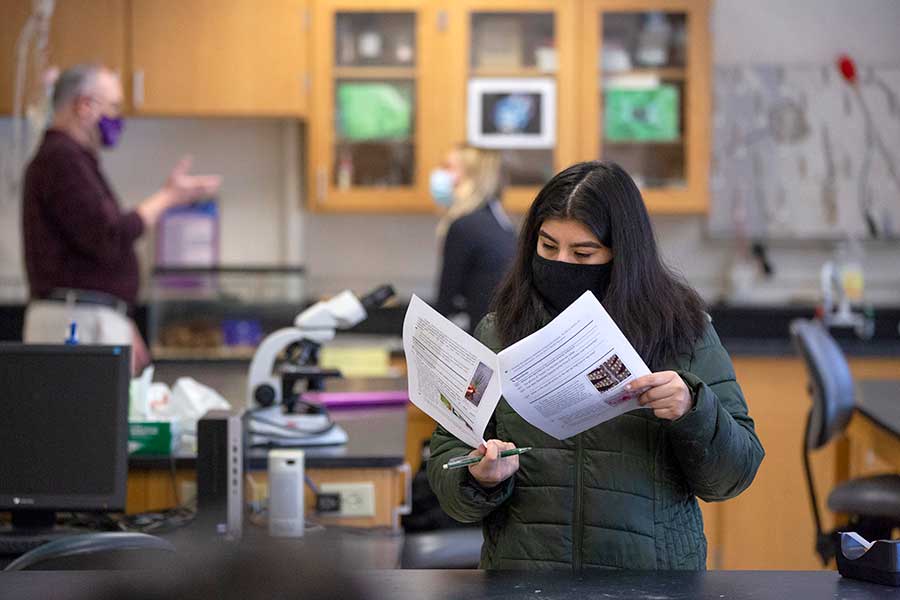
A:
x: 561, y: 283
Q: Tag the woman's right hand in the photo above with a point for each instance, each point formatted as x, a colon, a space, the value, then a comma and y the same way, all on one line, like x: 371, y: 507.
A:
x: 492, y: 469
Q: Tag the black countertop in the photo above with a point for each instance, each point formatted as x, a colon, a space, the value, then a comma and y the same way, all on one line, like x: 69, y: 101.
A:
x: 745, y: 330
x: 662, y: 585
x: 879, y: 399
x: 377, y: 439
x: 765, y: 331
x: 478, y: 585
x: 339, y: 559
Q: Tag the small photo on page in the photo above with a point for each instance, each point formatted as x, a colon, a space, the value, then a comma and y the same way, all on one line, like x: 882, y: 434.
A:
x: 449, y: 406
x: 609, y: 374
x: 479, y: 383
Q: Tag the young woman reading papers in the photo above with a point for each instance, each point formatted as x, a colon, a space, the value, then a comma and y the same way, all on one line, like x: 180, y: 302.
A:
x: 622, y: 494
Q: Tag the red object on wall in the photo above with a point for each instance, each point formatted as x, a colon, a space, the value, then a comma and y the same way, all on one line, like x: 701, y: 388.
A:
x: 847, y: 68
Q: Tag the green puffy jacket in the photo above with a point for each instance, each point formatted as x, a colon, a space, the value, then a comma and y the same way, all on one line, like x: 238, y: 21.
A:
x: 622, y: 494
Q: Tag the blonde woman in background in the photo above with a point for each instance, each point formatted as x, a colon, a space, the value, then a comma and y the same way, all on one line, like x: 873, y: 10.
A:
x: 477, y: 238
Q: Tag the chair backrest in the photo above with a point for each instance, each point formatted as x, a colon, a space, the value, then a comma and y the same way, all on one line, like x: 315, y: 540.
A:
x: 830, y: 382
x: 92, y: 551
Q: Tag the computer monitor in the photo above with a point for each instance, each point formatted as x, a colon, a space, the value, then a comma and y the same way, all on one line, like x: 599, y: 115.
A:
x: 63, y: 431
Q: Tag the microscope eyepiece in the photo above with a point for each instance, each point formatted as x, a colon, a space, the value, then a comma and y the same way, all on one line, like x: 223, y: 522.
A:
x: 377, y: 297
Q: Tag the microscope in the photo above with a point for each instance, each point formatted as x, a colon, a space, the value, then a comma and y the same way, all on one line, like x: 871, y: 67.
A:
x: 290, y: 355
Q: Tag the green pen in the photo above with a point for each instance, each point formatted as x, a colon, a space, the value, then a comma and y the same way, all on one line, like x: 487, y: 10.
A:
x: 465, y: 461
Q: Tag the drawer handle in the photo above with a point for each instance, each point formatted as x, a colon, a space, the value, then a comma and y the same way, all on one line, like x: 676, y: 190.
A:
x: 137, y: 88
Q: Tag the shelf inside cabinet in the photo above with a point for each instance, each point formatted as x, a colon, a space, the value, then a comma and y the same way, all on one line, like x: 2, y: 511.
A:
x: 375, y: 73
x: 339, y: 139
x: 212, y: 353
x: 664, y: 73
x: 511, y: 72
x: 675, y: 142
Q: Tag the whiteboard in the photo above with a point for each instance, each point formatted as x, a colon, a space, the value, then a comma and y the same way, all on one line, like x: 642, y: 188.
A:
x: 799, y: 153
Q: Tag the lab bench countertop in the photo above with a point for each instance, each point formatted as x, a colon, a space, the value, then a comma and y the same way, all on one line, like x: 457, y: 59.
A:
x: 650, y: 585
x: 879, y: 400
x: 377, y: 439
x: 469, y: 585
x: 744, y: 329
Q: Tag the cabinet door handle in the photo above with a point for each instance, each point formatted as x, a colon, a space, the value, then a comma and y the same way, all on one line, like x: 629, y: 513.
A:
x: 406, y: 507
x: 321, y: 183
x: 305, y: 20
x: 137, y: 88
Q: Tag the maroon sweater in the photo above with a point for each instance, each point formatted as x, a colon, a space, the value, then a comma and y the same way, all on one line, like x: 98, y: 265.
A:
x: 75, y: 234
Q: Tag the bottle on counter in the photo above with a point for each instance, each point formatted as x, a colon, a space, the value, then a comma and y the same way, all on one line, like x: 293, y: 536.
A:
x: 653, y: 41
x: 345, y: 171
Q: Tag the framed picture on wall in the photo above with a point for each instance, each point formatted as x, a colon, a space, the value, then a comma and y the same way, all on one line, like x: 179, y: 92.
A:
x: 511, y: 113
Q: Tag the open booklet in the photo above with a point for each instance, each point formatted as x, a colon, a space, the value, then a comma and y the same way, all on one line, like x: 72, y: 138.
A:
x: 567, y: 377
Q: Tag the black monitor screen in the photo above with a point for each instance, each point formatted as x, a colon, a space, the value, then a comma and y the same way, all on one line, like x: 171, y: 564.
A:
x: 63, y: 426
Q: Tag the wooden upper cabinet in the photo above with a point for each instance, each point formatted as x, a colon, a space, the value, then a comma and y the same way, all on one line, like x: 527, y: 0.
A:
x: 219, y: 57
x: 81, y: 31
x: 645, y: 99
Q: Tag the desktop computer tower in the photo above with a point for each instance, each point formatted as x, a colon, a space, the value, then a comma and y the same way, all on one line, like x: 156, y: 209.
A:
x: 220, y: 473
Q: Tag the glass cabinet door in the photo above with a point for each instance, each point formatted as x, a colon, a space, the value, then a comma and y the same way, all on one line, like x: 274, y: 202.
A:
x: 649, y: 101
x: 365, y: 131
x: 517, y: 78
x: 508, y: 50
x: 374, y: 100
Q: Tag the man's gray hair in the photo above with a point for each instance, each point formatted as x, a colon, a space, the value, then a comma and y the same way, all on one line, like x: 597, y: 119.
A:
x: 73, y: 82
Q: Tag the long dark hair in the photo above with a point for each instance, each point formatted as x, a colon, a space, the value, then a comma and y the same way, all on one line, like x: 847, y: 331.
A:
x: 659, y: 313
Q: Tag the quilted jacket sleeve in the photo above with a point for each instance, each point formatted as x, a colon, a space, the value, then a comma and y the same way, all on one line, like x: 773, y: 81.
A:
x: 715, y: 442
x: 460, y: 495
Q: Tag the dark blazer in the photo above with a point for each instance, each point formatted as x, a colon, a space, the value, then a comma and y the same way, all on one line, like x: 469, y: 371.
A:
x: 478, y: 250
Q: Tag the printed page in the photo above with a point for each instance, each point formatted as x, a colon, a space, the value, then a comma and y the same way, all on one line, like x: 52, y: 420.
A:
x: 570, y: 375
x: 452, y: 376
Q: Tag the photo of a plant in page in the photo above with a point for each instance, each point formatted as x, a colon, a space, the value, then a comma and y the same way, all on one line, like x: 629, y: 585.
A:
x: 451, y: 374
x: 479, y: 383
x: 449, y: 405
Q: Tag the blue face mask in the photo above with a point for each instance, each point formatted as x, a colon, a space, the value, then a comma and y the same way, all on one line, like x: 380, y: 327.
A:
x: 441, y: 187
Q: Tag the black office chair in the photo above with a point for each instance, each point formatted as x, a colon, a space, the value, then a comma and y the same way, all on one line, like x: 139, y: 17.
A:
x: 93, y: 551
x: 433, y: 540
x: 872, y: 503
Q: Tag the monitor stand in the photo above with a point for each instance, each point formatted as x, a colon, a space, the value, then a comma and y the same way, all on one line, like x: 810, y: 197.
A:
x: 30, y: 529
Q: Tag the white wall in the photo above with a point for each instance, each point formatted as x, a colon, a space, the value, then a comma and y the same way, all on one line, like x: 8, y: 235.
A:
x: 793, y: 32
x: 248, y: 153
x: 363, y: 251
x: 805, y: 31
x: 11, y: 287
x: 263, y: 176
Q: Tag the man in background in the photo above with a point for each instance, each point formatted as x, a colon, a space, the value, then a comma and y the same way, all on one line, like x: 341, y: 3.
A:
x: 79, y: 244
